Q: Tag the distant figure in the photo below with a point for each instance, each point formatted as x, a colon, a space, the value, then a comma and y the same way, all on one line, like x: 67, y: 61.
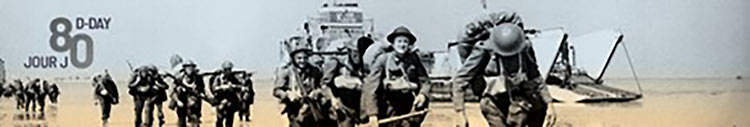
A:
x: 17, y: 89
x: 31, y: 91
x: 53, y: 92
x: 247, y: 97
x: 739, y: 77
x: 105, y: 93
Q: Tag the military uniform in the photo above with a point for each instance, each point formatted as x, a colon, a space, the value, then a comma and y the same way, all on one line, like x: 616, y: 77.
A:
x: 312, y: 108
x: 392, y: 85
x: 144, y: 87
x: 226, y: 88
x: 105, y: 91
x: 32, y: 91
x: 345, y: 81
x: 187, y: 97
x: 523, y: 101
x: 247, y: 97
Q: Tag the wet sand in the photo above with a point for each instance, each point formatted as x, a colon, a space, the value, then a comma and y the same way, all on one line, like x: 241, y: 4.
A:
x: 670, y: 103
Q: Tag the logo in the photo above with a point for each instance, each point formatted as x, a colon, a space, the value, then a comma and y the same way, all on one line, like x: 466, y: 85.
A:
x: 62, y: 40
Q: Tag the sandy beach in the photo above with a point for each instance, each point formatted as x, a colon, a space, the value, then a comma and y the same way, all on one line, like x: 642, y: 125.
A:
x: 666, y: 103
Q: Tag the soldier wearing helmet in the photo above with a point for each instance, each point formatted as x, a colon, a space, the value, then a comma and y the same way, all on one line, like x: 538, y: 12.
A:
x: 187, y: 94
x: 523, y: 101
x: 344, y: 77
x: 105, y: 92
x: 307, y: 102
x: 145, y: 86
x: 397, y: 83
x: 226, y: 88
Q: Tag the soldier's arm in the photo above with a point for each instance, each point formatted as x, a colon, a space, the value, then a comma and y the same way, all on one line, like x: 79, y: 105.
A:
x: 423, y: 77
x: 472, y: 67
x: 330, y: 68
x: 371, y: 84
x: 281, y: 82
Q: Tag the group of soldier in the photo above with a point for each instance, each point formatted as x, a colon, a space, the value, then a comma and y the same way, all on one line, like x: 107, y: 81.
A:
x: 390, y: 86
x: 229, y: 91
x: 32, y: 95
x: 373, y: 85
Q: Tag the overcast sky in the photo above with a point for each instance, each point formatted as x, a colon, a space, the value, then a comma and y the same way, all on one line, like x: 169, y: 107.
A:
x: 666, y: 38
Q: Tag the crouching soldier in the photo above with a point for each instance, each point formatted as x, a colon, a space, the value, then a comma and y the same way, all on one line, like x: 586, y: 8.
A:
x: 523, y: 102
x: 187, y: 95
x: 308, y: 103
x: 105, y: 93
x: 53, y: 92
x: 226, y: 88
x: 344, y: 77
x: 144, y: 86
x: 397, y: 84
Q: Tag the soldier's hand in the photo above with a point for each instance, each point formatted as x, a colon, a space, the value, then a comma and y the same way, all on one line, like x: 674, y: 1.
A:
x: 373, y: 121
x: 419, y: 100
x: 293, y: 96
x: 463, y: 120
x: 336, y: 103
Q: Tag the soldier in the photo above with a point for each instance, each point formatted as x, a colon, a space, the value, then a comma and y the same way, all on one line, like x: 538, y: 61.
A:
x: 226, y: 88
x: 247, y: 96
x: 42, y: 95
x: 32, y: 90
x: 187, y: 94
x: 144, y: 87
x: 161, y: 93
x: 397, y: 84
x: 54, y: 92
x: 105, y: 93
x: 297, y: 85
x: 17, y: 89
x: 523, y: 103
x: 345, y: 77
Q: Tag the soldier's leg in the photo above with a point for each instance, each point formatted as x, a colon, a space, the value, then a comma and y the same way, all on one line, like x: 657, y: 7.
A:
x: 41, y: 103
x: 401, y: 103
x: 160, y: 113
x: 149, y: 111
x: 138, y: 103
x: 106, y: 108
x: 182, y: 113
x: 536, y: 117
x: 494, y: 110
x: 229, y: 118
x: 219, y: 118
x: 293, y: 122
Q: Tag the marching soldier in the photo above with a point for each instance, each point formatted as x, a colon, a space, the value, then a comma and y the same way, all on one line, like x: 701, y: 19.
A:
x: 187, y: 94
x: 523, y: 102
x: 297, y: 85
x: 144, y: 86
x: 397, y: 84
x: 226, y: 88
x: 105, y: 93
x: 32, y: 90
x: 17, y: 89
x: 344, y: 77
x: 247, y: 96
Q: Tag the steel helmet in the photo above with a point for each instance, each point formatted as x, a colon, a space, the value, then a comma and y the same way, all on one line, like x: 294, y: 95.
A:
x: 506, y: 39
x: 227, y: 64
x: 189, y: 63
